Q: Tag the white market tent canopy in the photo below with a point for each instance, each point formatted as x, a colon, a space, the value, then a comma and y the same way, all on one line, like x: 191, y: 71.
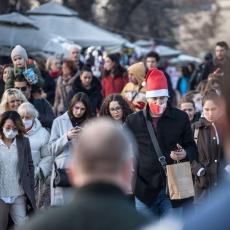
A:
x: 165, y: 51
x: 185, y: 58
x: 57, y: 19
x: 17, y: 29
x: 145, y: 46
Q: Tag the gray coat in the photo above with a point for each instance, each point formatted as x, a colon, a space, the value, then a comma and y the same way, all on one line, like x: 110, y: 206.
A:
x: 26, y: 170
x: 61, y: 149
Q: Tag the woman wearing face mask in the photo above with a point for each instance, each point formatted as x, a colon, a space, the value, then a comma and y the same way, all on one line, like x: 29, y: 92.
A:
x: 16, y: 171
x: 64, y: 131
x: 116, y: 107
x: 42, y: 159
x: 64, y: 86
x: 11, y: 100
x: 208, y: 136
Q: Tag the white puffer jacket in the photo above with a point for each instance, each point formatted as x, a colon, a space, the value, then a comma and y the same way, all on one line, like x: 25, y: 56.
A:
x: 39, y: 138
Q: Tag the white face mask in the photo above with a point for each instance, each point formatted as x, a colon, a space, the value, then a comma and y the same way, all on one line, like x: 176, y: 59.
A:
x: 10, y: 134
x: 27, y: 123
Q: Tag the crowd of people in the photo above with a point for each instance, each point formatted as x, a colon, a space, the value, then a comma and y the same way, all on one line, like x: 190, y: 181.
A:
x: 45, y: 109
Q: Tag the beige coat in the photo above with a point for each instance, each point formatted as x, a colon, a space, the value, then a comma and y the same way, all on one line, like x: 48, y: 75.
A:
x: 61, y: 95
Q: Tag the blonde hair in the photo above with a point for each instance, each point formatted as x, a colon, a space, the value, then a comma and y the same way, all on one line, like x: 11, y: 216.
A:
x: 50, y: 60
x: 12, y: 92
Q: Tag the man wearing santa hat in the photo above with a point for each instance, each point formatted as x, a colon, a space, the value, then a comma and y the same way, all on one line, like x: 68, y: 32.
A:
x: 174, y: 135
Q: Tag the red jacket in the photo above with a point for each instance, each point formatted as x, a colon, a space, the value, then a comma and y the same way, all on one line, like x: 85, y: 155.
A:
x: 113, y: 84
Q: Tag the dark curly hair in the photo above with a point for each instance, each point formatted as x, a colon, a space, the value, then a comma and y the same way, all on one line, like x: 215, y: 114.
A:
x: 104, y: 111
x: 15, y: 117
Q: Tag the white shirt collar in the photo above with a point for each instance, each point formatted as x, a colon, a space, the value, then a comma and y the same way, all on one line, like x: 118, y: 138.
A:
x: 2, y: 142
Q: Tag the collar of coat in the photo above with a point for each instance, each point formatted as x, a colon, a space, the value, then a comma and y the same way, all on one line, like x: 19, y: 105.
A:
x: 100, y: 188
x: 202, y: 123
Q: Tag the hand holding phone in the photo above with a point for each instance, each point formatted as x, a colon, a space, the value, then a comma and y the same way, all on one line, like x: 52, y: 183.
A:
x: 77, y: 127
x: 73, y: 132
x: 178, y: 154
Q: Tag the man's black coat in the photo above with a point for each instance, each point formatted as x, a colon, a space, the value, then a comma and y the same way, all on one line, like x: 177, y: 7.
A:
x: 173, y: 127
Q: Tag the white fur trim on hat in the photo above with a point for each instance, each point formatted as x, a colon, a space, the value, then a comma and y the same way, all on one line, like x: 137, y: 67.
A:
x: 157, y: 93
x: 143, y: 83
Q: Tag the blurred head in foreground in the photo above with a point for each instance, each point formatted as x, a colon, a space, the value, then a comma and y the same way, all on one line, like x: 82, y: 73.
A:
x: 107, y: 157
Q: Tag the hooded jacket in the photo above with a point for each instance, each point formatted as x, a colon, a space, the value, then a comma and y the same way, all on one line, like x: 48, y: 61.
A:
x: 210, y: 155
x: 135, y: 93
x: 94, y: 93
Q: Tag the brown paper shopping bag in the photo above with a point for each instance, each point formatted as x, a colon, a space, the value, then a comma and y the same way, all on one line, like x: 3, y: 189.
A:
x: 179, y: 178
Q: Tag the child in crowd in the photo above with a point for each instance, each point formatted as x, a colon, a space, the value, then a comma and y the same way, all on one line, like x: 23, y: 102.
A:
x: 25, y: 66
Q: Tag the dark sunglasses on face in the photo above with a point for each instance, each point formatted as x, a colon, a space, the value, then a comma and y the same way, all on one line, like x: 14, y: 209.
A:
x: 23, y: 89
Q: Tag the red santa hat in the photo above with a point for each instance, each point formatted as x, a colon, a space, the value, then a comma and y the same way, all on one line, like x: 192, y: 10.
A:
x: 156, y: 84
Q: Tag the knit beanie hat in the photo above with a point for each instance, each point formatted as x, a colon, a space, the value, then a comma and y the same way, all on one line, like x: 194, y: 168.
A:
x: 138, y: 71
x: 19, y: 51
x: 156, y: 84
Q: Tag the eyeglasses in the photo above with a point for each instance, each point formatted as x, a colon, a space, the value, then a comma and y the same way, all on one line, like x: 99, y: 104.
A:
x: 116, y: 109
x: 23, y: 89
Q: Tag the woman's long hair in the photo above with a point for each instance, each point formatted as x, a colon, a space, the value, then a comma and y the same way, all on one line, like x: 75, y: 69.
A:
x: 80, y: 97
x: 71, y: 66
x: 12, y: 92
x: 15, y: 117
x: 118, y: 70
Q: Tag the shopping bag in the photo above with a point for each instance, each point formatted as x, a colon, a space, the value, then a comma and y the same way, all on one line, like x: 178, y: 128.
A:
x: 179, y: 179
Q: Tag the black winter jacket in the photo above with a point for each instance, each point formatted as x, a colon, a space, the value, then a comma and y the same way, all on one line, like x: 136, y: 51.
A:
x: 46, y: 114
x: 94, y: 93
x: 173, y: 127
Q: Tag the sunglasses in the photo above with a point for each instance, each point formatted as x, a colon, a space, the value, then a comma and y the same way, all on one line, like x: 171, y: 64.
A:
x: 23, y: 89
